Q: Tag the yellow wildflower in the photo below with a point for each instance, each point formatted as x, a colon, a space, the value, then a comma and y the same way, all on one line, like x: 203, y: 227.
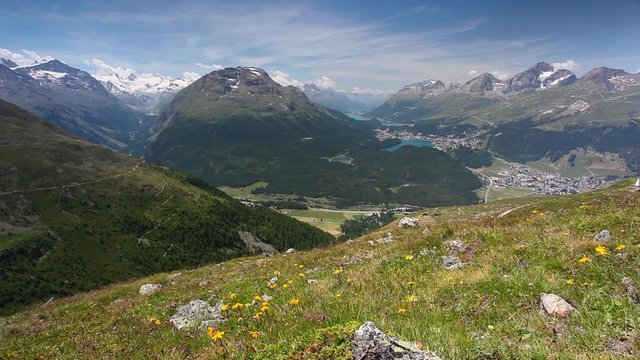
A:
x: 237, y: 306
x: 569, y: 282
x: 254, y: 334
x: 276, y: 273
x: 408, y: 257
x: 224, y: 307
x: 402, y: 310
x: 300, y: 266
x: 534, y: 211
x: 290, y: 282
x: 257, y: 315
x: 584, y: 259
x: 284, y: 286
x: 265, y: 303
x: 339, y: 270
x: 585, y: 284
x: 302, y: 275
x: 338, y: 296
x: 621, y: 247
x: 264, y: 308
x: 240, y: 319
x: 411, y: 283
x: 233, y: 296
x: 271, y: 286
x: 294, y: 301
x: 602, y: 250
x: 210, y: 331
x: 412, y: 298
x: 257, y: 297
x: 217, y: 335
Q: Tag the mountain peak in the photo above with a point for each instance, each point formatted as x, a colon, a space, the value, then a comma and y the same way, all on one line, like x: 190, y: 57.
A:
x: 542, y: 66
x: 8, y: 63
x: 603, y: 73
x: 483, y: 82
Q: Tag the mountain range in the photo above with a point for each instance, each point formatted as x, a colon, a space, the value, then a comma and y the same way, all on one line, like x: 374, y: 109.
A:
x: 73, y: 100
x: 541, y: 113
x: 237, y: 126
x: 347, y: 102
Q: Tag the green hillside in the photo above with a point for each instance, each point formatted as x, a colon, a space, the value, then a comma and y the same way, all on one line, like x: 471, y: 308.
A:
x: 512, y: 251
x: 237, y: 126
x: 75, y: 216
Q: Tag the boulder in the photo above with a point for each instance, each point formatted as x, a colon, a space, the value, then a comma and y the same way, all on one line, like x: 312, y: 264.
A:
x: 451, y: 262
x: 406, y: 222
x: 290, y: 251
x: 255, y: 245
x: 370, y: 343
x: 603, y: 236
x: 555, y: 305
x: 149, y: 289
x: 195, y: 313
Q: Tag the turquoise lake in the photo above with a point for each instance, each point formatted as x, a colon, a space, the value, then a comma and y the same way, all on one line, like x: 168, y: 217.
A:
x: 416, y: 143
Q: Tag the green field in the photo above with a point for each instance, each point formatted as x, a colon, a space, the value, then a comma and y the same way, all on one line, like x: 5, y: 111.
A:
x: 327, y: 220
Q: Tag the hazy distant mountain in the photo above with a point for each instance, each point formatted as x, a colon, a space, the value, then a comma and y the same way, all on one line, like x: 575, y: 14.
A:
x: 237, y: 126
x: 344, y: 101
x: 72, y: 99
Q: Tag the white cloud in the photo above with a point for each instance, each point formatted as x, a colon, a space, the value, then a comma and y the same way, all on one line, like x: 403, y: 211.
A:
x: 368, y: 91
x: 500, y: 75
x: 210, y: 66
x: 569, y: 65
x: 102, y: 68
x: 473, y: 72
x: 638, y: 71
x: 285, y: 79
x: 24, y: 57
x: 325, y: 82
x: 191, y: 76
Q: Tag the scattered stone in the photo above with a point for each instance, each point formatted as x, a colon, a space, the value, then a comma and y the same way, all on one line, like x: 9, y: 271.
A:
x: 172, y: 304
x: 426, y: 232
x: 315, y: 317
x: 357, y: 258
x: 370, y: 343
x: 384, y: 240
x: 426, y: 252
x: 149, y: 289
x: 195, y: 313
x: 603, y: 236
x: 452, y: 262
x: 290, y: 251
x: 273, y: 280
x: 312, y: 281
x: 255, y: 245
x: 406, y: 222
x: 349, y: 241
x: 117, y: 304
x: 457, y: 246
x: 173, y: 276
x: 632, y: 290
x: 637, y: 184
x: 266, y: 298
x: 622, y: 347
x: 203, y: 283
x: 555, y: 305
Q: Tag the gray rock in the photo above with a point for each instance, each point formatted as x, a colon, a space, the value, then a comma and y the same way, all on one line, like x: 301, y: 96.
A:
x: 149, y: 289
x: 457, y: 246
x: 370, y: 343
x: 555, y: 305
x: 273, y: 280
x: 266, y: 298
x: 290, y: 251
x: 632, y: 290
x: 255, y: 245
x: 312, y: 281
x: 196, y: 312
x: 603, y: 236
x: 406, y: 222
x: 451, y: 262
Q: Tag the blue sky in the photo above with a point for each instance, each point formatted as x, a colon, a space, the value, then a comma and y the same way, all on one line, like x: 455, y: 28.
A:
x: 364, y: 44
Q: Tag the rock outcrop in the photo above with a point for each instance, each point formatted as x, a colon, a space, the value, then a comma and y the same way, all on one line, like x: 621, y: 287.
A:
x: 195, y: 314
x: 370, y: 343
x: 555, y: 305
x: 149, y: 289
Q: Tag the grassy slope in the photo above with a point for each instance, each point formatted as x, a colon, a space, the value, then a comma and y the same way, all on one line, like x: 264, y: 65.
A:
x: 488, y: 309
x: 67, y: 239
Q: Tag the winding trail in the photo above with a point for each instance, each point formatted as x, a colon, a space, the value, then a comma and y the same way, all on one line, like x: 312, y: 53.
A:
x: 74, y: 184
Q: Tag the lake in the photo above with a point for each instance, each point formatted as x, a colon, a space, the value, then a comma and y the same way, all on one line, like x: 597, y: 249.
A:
x: 413, y: 142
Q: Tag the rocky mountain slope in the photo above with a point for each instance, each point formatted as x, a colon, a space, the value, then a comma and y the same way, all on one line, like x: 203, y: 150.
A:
x: 75, y: 216
x: 514, y: 279
x: 73, y: 100
x: 237, y: 126
x: 541, y: 113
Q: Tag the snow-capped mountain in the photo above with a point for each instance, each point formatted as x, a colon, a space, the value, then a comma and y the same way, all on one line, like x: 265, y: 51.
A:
x: 71, y: 99
x: 143, y: 92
